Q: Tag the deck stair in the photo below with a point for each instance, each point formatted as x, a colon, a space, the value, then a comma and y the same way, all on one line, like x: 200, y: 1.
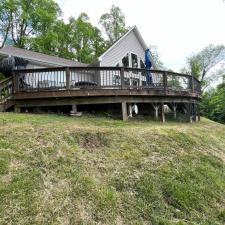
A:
x: 6, y: 94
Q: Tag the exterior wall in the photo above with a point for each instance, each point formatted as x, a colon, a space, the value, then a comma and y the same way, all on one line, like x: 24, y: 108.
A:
x: 129, y: 44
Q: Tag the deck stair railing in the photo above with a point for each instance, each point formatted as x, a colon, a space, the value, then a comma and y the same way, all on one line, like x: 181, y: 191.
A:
x: 73, y: 78
x: 6, y: 93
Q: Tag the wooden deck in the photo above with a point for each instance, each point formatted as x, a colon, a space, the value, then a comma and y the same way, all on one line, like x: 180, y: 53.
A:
x: 97, y: 85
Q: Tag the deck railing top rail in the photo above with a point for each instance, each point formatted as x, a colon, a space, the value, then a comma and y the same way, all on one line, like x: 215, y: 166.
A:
x: 62, y: 78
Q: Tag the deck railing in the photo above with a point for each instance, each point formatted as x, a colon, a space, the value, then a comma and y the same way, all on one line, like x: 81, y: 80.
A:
x: 102, y: 78
x: 6, y: 89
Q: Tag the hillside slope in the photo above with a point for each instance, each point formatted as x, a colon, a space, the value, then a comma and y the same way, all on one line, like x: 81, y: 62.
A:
x: 60, y: 170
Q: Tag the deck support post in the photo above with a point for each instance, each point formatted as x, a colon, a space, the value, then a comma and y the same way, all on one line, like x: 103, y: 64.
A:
x: 198, y: 113
x: 162, y: 113
x: 38, y: 109
x: 156, y: 108
x: 194, y: 112
x: 74, y: 109
x: 124, y: 111
x: 130, y: 113
x: 17, y: 109
x: 189, y: 112
x: 174, y: 106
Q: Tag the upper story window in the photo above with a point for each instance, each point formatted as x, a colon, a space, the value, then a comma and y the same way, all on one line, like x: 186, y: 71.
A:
x: 142, y: 65
x: 134, y: 60
x: 131, y: 60
x: 125, y: 61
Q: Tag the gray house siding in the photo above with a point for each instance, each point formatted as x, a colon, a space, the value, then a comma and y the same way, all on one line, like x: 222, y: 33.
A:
x: 113, y: 57
x: 128, y: 44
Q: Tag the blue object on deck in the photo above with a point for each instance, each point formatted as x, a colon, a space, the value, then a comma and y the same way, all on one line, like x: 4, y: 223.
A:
x: 148, y: 65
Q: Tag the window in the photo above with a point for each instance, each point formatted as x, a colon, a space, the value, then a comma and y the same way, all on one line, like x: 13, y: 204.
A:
x: 134, y: 60
x: 142, y: 64
x: 125, y: 61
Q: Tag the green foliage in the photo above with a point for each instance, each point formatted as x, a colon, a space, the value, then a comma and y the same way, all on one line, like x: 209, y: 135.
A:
x: 36, y: 25
x: 201, y: 64
x: 213, y: 103
x: 113, y: 23
x: 56, y: 41
x: 26, y: 19
x: 5, y: 21
x: 2, y: 77
x: 156, y: 57
x: 78, y: 39
x: 86, y: 39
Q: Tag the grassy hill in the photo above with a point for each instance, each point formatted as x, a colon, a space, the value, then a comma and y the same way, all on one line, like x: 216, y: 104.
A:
x: 89, y: 170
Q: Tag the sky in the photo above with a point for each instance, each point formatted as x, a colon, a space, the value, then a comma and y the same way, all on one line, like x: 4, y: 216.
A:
x: 178, y: 28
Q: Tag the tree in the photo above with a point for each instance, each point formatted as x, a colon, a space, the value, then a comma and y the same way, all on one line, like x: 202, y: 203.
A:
x: 113, y: 24
x: 156, y: 57
x: 23, y: 19
x: 98, y: 43
x: 5, y: 21
x: 203, y: 64
x: 212, y: 104
x: 78, y: 39
x: 86, y: 40
x: 56, y: 41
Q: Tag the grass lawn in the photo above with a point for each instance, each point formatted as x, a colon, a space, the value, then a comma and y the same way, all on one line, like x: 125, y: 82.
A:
x: 95, y: 170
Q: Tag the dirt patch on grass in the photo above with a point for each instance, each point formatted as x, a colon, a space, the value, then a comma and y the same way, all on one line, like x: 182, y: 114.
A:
x: 91, y: 140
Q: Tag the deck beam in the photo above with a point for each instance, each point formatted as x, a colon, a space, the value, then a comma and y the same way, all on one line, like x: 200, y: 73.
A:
x: 96, y: 100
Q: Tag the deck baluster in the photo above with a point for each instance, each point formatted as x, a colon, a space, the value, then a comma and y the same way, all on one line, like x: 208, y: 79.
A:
x: 122, y: 77
x: 165, y: 81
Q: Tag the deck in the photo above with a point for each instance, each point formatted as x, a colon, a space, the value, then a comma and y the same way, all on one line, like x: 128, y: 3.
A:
x: 97, y: 85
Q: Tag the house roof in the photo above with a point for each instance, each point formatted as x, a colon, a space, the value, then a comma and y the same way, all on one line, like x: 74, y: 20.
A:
x: 38, y: 57
x: 137, y: 33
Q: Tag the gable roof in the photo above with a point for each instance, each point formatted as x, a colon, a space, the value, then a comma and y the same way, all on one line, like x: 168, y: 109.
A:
x: 38, y: 57
x: 136, y: 32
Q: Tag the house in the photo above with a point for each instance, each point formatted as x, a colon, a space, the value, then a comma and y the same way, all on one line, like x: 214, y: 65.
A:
x: 118, y: 76
x: 127, y: 51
